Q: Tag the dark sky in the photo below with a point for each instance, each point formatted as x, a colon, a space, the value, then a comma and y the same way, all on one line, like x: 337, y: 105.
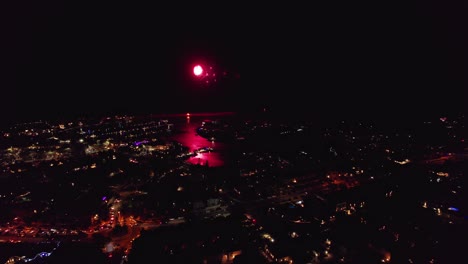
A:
x: 61, y: 60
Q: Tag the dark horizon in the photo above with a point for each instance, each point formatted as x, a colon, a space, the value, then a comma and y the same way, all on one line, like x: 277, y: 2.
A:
x: 65, y: 61
x: 413, y: 119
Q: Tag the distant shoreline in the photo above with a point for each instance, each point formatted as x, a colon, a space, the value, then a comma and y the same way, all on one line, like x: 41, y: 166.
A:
x: 195, y: 114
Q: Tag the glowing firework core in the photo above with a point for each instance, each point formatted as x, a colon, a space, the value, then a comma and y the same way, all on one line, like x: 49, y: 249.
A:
x: 197, y: 70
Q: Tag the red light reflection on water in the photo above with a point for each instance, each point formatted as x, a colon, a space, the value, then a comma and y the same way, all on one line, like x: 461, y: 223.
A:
x: 188, y: 137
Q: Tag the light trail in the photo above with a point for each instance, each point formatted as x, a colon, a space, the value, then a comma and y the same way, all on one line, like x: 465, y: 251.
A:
x: 42, y: 254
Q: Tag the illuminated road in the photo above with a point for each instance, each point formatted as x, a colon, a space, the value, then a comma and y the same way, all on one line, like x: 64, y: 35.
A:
x: 442, y: 159
x: 124, y: 243
x: 17, y: 239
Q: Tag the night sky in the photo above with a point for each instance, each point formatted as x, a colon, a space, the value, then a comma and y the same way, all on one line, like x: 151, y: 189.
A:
x: 61, y: 60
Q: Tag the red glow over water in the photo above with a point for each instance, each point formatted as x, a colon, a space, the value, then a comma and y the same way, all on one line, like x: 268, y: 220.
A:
x: 188, y: 137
